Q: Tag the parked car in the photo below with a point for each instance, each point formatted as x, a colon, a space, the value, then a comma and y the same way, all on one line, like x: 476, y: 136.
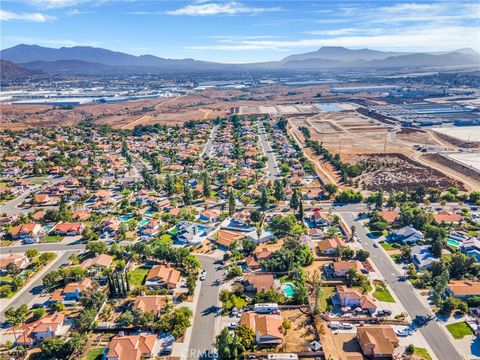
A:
x: 232, y: 325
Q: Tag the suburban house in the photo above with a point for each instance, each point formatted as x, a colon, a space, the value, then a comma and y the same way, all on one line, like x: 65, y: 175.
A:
x: 132, y: 347
x: 189, y: 232
x: 422, y: 257
x: 463, y: 288
x: 68, y: 229
x: 72, y: 292
x: 406, y: 234
x: 353, y: 298
x: 267, y: 328
x: 19, y: 260
x: 447, y: 217
x: 265, y: 235
x: 25, y: 231
x: 150, y: 303
x: 471, y: 247
x: 47, y: 327
x: 341, y: 268
x: 99, y: 261
x: 319, y: 218
x: 390, y: 216
x: 329, y: 246
x: 110, y: 224
x: 163, y: 276
x: 225, y: 238
x: 209, y: 216
x: 252, y: 263
x: 377, y: 341
x: 259, y: 282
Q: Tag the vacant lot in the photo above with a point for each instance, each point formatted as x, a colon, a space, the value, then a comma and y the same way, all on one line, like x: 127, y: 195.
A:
x: 301, y: 332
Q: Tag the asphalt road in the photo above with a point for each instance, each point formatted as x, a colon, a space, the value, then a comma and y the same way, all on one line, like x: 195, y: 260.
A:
x: 27, y: 293
x: 432, y: 332
x: 11, y: 207
x: 208, y: 148
x: 43, y: 247
x: 272, y: 167
x: 203, y: 330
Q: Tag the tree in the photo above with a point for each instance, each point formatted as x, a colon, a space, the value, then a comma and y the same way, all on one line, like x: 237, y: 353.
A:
x: 231, y: 203
x: 331, y: 189
x: 436, y: 248
x: 440, y: 286
x: 279, y: 193
x: 228, y: 347
x: 255, y: 215
x: 263, y: 201
x: 301, y: 213
x: 86, y: 320
x: 169, y: 186
x: 406, y: 253
x: 206, y: 185
x: 362, y: 255
x: 54, y: 348
x: 246, y: 336
x: 187, y: 194
x: 31, y: 253
x: 16, y: 317
x: 294, y: 200
x: 97, y: 247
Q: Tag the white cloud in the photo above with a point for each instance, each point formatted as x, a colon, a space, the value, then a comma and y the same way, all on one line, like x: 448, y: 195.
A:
x: 56, y: 4
x: 35, y: 17
x: 403, y: 39
x: 229, y: 8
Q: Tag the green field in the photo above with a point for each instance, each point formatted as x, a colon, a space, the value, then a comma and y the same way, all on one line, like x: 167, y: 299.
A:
x: 382, y: 294
x: 95, y: 354
x: 459, y: 330
x: 137, y: 276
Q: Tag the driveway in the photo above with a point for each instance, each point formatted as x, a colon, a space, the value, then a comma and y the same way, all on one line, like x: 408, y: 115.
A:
x: 433, y: 333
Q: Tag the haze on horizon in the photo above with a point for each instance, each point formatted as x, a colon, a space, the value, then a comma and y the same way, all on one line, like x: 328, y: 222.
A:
x: 241, y: 31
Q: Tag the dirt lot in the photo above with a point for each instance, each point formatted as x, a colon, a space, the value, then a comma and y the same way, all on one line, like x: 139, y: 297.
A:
x: 206, y: 104
x: 301, y: 333
x: 340, y: 346
x: 355, y: 136
x: 395, y: 172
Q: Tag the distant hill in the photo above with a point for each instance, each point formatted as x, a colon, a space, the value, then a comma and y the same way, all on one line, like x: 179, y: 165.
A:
x: 91, y: 60
x: 341, y: 54
x: 9, y: 70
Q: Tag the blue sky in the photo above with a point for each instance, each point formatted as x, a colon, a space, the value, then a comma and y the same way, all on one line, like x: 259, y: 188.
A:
x: 241, y: 31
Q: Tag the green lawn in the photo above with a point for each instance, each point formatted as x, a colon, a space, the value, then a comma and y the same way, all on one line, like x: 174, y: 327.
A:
x: 6, y: 243
x: 53, y: 238
x: 386, y: 246
x: 382, y: 294
x: 235, y: 301
x: 7, y: 279
x: 95, y: 354
x: 137, y: 276
x: 459, y: 330
x: 422, y: 352
x: 327, y: 291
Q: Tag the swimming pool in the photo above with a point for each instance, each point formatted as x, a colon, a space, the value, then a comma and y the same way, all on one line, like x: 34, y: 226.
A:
x: 288, y: 289
x: 47, y: 227
x: 143, y: 222
x: 124, y: 218
x: 454, y: 242
x: 149, y: 213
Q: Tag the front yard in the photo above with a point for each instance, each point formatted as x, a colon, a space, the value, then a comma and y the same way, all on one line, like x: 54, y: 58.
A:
x: 327, y: 292
x: 381, y: 293
x: 459, y: 330
x: 137, y: 276
x: 52, y: 238
x: 95, y: 354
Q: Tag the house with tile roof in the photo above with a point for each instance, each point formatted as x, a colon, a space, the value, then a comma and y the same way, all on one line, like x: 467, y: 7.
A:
x: 150, y: 303
x: 162, y: 276
x: 259, y: 282
x: 72, y: 292
x: 377, y: 341
x: 132, y: 347
x: 463, y: 288
x: 353, y: 298
x: 25, y: 231
x: 267, y: 328
x: 49, y: 326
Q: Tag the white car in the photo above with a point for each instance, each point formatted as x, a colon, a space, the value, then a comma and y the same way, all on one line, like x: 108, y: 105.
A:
x: 232, y: 325
x: 202, y: 277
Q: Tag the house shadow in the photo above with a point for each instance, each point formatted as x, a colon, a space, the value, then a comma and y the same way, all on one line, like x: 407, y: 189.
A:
x: 351, y: 345
x: 475, y: 347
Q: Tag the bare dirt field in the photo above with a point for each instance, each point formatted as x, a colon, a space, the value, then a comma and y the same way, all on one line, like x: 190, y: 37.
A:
x: 206, y: 104
x: 396, y: 172
x: 354, y: 135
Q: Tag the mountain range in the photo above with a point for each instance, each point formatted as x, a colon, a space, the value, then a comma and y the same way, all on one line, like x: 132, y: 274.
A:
x: 91, y: 60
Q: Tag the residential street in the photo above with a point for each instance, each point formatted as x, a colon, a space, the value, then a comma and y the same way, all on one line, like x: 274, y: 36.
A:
x: 272, y: 167
x: 433, y: 333
x: 208, y: 148
x: 204, y: 321
x: 29, y: 291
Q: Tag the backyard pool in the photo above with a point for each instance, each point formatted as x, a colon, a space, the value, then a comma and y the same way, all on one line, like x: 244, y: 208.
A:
x: 124, y: 218
x: 143, y: 222
x: 149, y: 213
x: 453, y: 242
x: 288, y: 289
x: 47, y: 227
